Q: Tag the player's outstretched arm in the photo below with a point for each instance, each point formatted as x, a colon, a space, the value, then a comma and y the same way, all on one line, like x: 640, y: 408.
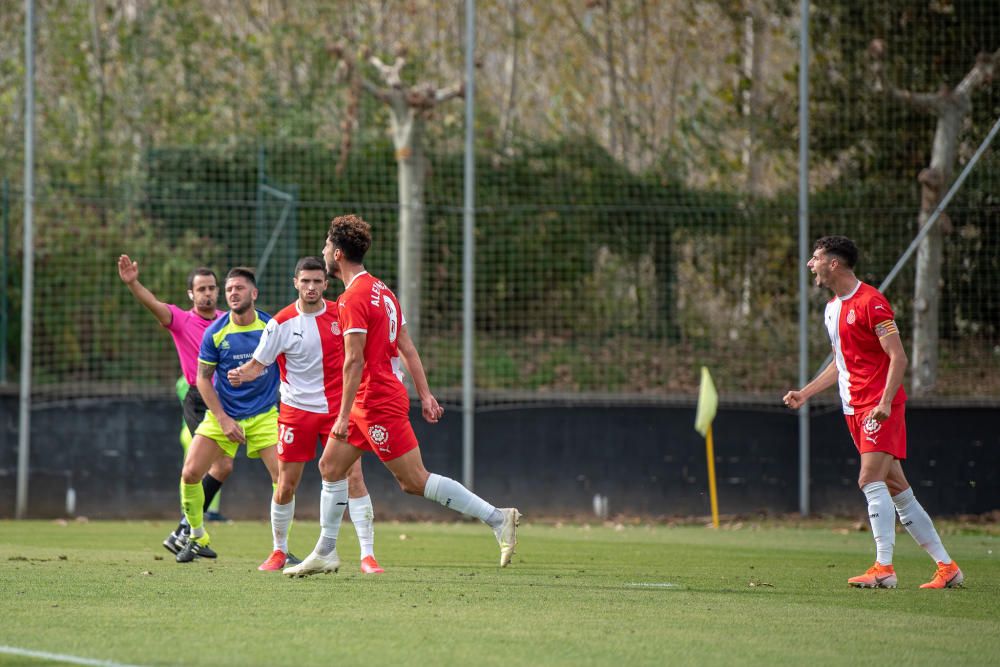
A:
x: 128, y: 271
x: 248, y: 372
x: 430, y: 408
x: 827, y: 378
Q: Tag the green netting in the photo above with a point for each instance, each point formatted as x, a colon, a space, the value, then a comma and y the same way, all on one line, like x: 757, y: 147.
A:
x: 636, y: 212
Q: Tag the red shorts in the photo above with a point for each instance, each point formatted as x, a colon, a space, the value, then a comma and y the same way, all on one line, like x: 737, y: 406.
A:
x: 299, y: 431
x: 389, y: 436
x: 871, y: 436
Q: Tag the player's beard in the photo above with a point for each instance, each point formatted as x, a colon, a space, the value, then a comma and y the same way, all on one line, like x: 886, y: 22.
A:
x: 241, y: 307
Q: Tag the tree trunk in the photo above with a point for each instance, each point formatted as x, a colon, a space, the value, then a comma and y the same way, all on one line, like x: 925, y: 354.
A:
x: 507, y: 117
x: 407, y: 127
x: 754, y: 64
x: 408, y: 106
x: 614, y: 100
x: 930, y: 254
x: 950, y: 107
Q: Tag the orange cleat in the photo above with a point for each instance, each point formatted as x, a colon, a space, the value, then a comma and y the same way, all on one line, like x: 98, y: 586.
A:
x: 274, y: 562
x: 877, y: 576
x: 948, y: 575
x: 370, y: 566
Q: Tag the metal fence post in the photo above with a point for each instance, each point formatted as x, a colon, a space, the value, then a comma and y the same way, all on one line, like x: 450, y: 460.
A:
x: 24, y: 418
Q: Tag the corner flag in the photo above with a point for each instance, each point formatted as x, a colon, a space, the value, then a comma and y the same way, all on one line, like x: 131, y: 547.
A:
x: 708, y: 404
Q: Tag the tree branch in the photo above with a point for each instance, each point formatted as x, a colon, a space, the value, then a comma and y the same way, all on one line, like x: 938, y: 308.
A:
x: 933, y: 102
x: 452, y: 91
x: 342, y: 54
x: 390, y: 73
x: 981, y: 74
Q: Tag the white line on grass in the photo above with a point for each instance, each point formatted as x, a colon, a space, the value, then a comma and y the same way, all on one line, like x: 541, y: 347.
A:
x: 61, y: 657
x: 651, y: 584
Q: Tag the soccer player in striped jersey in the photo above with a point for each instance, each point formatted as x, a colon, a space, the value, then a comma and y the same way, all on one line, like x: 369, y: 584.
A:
x: 304, y: 339
x: 374, y: 408
x: 236, y: 415
x: 868, y: 367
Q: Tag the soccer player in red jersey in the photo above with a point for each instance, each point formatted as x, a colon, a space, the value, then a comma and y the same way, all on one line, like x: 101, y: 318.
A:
x: 374, y: 409
x: 304, y: 339
x: 868, y: 367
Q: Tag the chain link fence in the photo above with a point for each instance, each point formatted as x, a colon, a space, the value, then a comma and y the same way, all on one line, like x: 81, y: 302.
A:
x: 636, y: 211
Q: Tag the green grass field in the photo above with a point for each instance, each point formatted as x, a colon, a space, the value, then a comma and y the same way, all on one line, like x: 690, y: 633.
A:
x: 575, y: 595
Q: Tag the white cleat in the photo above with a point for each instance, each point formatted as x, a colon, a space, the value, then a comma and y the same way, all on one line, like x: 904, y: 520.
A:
x: 314, y: 564
x: 507, y: 535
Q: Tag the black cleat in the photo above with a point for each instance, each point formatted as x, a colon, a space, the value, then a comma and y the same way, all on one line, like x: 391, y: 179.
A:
x: 291, y: 560
x: 193, y: 549
x: 174, y: 542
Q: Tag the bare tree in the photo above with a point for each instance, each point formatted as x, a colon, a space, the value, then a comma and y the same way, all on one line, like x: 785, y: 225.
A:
x: 409, y: 107
x: 508, y: 115
x: 755, y: 46
x: 951, y: 107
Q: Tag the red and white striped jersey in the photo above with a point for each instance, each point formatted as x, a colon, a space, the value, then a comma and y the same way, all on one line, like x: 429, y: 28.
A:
x: 309, y: 350
x: 856, y: 323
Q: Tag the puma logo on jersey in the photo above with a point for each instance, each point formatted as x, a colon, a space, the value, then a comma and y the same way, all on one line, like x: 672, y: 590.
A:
x: 297, y: 333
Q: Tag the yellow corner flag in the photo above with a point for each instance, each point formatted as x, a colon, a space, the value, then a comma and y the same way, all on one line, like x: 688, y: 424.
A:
x: 708, y: 404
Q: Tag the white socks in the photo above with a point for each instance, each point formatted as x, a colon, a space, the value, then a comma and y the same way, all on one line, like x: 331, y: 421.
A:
x: 883, y: 520
x: 453, y: 495
x: 281, y: 519
x: 363, y: 518
x: 919, y: 525
x: 332, y: 501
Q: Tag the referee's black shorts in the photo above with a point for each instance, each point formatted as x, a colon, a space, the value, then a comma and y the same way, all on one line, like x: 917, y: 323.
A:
x: 194, y: 409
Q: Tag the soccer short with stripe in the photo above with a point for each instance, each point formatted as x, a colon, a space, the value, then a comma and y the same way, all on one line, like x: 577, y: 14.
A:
x: 299, y: 431
x: 888, y: 436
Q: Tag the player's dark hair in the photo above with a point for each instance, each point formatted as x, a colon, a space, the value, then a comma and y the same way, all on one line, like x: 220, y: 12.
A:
x: 352, y: 235
x: 310, y: 264
x: 242, y: 272
x: 201, y: 271
x: 840, y: 247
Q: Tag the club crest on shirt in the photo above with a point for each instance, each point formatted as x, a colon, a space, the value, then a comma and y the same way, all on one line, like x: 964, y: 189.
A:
x: 380, y: 436
x: 851, y: 317
x: 335, y: 328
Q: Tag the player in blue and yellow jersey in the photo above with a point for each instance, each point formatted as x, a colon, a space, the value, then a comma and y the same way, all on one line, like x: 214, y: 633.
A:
x: 245, y: 415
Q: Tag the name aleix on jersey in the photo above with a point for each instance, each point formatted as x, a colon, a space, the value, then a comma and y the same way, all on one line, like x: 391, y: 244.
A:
x: 376, y: 295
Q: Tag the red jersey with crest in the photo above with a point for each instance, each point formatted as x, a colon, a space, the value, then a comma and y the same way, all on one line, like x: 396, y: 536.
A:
x: 368, y: 306
x: 856, y: 323
x: 309, y: 351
